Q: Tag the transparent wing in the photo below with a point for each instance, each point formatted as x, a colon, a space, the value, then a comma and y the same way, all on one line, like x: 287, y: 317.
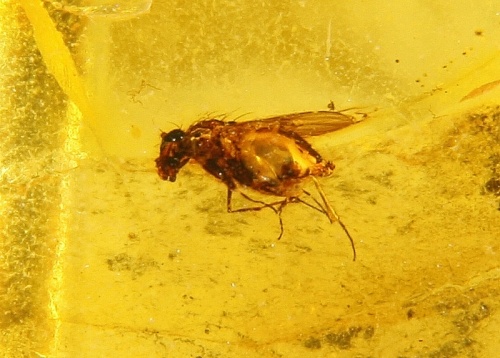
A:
x: 306, y: 124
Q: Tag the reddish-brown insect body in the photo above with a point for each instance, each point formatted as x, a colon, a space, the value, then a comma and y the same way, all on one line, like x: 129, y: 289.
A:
x: 269, y: 155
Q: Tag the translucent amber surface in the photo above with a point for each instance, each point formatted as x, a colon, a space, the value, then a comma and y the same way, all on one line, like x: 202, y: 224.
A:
x: 101, y: 258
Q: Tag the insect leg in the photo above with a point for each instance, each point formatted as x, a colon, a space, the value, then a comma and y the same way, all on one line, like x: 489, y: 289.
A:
x: 280, y: 209
x: 271, y: 206
x: 332, y: 215
x: 319, y: 207
x: 256, y: 208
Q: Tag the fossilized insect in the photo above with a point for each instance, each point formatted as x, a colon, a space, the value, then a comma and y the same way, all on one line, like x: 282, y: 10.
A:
x: 270, y: 156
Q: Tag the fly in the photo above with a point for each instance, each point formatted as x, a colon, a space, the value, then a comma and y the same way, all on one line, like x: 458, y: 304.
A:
x: 270, y: 156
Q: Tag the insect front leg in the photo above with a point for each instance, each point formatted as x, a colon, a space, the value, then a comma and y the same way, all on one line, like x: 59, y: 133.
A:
x: 255, y: 208
x: 281, y: 204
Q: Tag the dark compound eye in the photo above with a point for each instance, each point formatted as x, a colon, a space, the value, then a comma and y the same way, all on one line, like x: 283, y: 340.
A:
x: 173, y: 136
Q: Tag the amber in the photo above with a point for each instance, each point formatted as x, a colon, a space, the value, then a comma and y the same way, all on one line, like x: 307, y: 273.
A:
x: 99, y: 257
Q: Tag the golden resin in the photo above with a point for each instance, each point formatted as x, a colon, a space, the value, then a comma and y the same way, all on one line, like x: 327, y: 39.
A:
x: 101, y: 258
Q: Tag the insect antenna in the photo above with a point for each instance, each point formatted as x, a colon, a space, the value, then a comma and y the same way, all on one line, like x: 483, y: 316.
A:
x: 175, y: 124
x: 333, y: 216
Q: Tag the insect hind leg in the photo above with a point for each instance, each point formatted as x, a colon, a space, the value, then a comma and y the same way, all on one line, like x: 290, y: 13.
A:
x: 330, y: 213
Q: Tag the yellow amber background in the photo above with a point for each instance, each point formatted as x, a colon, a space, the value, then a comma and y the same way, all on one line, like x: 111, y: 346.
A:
x: 100, y: 258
